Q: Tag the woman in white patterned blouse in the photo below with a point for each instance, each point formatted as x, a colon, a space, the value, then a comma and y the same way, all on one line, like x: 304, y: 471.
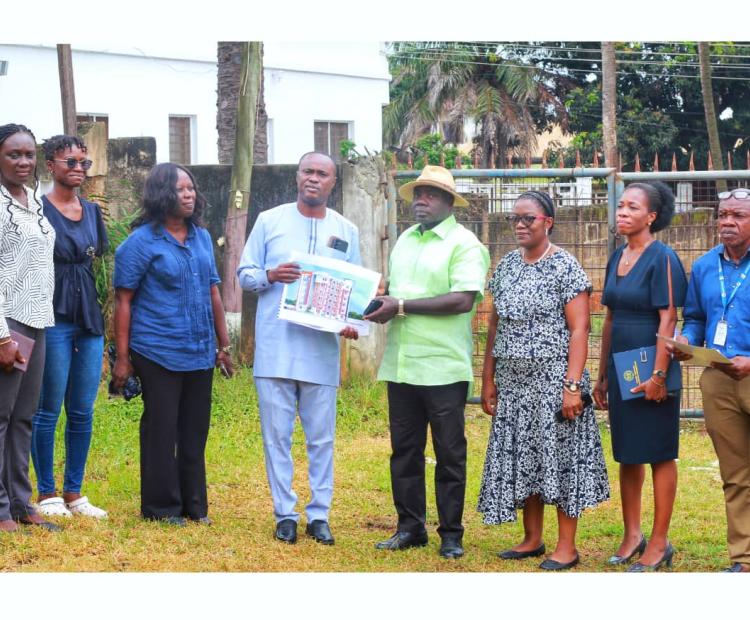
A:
x: 27, y: 281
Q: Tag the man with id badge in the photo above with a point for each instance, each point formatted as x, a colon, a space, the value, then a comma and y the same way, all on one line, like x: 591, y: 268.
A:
x: 296, y: 368
x: 717, y: 313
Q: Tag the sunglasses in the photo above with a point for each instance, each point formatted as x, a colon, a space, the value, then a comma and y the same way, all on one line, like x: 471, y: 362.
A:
x: 739, y: 193
x: 527, y: 220
x: 72, y: 162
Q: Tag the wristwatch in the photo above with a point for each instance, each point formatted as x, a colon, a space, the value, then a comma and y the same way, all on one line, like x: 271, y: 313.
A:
x: 572, y: 385
x: 659, y: 373
x: 401, y: 308
x: 227, y: 349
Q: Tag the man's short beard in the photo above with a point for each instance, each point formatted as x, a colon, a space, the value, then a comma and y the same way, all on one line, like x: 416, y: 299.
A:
x: 314, y: 202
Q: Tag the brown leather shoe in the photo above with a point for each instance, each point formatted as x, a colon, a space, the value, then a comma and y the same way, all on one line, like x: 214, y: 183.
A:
x: 8, y: 525
x: 36, y: 520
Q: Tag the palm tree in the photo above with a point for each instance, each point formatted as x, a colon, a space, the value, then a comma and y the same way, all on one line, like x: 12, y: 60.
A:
x: 444, y: 84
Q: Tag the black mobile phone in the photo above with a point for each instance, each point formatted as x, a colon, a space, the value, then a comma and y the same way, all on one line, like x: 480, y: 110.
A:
x: 372, y: 306
x: 585, y: 399
x: 338, y: 244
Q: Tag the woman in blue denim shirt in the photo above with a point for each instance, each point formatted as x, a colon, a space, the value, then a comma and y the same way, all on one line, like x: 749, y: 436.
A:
x: 75, y: 344
x: 170, y: 331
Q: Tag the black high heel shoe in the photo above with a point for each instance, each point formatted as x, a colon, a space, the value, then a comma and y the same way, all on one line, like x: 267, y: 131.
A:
x: 646, y: 568
x: 618, y: 559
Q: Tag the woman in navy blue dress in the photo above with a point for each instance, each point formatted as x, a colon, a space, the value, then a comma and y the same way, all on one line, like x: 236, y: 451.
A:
x: 641, y: 302
x: 75, y: 344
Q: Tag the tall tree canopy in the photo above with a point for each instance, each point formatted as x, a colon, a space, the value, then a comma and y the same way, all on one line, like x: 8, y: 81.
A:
x: 515, y: 91
x: 445, y: 84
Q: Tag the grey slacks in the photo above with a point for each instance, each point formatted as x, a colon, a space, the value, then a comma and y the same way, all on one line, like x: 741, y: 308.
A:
x: 19, y: 398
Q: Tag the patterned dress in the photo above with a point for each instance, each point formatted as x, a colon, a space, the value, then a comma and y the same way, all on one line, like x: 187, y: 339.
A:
x: 529, y: 451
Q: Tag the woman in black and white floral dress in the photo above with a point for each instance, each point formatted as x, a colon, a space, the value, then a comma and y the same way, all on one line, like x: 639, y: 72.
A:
x: 544, y: 446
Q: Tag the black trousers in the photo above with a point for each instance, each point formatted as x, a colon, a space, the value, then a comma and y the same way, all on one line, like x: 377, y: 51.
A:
x: 174, y: 429
x: 410, y: 409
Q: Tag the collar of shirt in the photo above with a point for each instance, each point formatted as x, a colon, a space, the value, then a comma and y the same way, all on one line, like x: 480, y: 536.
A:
x: 30, y: 198
x: 440, y: 230
x: 162, y: 233
x: 726, y: 257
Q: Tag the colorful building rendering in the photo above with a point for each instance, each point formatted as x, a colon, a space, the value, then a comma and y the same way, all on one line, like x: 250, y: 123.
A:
x: 324, y: 295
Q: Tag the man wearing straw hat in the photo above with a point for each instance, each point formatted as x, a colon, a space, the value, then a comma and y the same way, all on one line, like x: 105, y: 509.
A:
x: 437, y: 276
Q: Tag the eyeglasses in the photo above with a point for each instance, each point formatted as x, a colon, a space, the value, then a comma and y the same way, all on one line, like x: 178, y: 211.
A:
x: 740, y: 193
x: 527, y: 220
x: 72, y: 162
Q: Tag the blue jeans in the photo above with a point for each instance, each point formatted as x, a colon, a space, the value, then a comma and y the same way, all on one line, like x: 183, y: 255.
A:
x: 71, y: 374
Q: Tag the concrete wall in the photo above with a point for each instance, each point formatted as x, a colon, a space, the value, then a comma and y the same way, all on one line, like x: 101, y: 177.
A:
x: 364, y: 192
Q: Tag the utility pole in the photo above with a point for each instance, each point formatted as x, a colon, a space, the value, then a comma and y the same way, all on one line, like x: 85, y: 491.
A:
x: 712, y: 126
x: 242, y: 169
x: 67, y: 89
x: 609, y: 104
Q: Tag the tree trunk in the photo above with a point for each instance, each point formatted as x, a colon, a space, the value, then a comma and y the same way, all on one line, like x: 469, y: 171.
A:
x: 67, y: 88
x: 251, y: 69
x: 609, y: 104
x: 229, y: 54
x: 712, y: 126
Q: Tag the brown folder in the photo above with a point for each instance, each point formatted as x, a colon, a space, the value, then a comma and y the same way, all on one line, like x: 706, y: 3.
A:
x: 25, y: 347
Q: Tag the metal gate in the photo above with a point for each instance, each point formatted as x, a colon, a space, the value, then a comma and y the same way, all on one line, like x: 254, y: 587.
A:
x: 585, y: 201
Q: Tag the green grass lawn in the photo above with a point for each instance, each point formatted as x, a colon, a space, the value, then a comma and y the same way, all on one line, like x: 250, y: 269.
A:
x: 240, y: 538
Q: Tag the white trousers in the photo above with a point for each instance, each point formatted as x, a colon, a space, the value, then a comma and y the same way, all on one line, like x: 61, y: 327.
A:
x: 279, y: 401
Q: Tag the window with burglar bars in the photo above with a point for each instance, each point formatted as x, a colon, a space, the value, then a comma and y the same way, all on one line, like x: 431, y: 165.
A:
x: 179, y: 140
x: 328, y: 137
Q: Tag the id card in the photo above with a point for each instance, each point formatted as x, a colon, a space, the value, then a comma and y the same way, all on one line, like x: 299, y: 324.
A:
x: 720, y: 337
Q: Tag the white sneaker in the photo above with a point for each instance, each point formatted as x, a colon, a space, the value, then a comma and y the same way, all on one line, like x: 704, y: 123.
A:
x: 81, y: 506
x: 53, y: 507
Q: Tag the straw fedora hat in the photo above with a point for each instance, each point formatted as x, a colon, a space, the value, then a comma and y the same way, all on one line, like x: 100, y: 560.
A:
x: 434, y: 176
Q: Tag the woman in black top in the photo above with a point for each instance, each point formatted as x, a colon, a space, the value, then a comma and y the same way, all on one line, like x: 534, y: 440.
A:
x: 75, y: 344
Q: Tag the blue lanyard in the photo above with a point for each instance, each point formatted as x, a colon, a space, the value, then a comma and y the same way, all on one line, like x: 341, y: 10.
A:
x: 725, y: 302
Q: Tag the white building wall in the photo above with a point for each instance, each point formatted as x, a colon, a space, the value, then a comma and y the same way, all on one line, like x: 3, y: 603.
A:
x: 304, y: 83
x: 295, y: 100
x: 138, y: 94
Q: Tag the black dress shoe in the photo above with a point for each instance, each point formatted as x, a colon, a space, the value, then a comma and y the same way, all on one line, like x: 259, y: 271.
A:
x: 320, y: 531
x: 403, y: 540
x: 451, y: 549
x: 734, y: 568
x: 37, y: 521
x: 176, y: 521
x: 549, y: 564
x: 638, y: 567
x: 286, y: 531
x: 618, y: 559
x: 202, y: 521
x: 509, y: 554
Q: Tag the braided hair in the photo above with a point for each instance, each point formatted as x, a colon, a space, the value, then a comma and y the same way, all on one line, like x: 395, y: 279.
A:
x: 544, y: 201
x: 6, y: 131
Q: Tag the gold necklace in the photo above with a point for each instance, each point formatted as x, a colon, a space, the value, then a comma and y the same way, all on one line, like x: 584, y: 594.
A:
x: 643, y: 249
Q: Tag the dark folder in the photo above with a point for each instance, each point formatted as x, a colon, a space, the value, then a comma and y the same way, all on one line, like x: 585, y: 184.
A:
x: 25, y: 347
x: 635, y: 366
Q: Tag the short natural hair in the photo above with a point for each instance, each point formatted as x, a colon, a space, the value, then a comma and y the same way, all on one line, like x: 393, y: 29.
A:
x: 56, y: 144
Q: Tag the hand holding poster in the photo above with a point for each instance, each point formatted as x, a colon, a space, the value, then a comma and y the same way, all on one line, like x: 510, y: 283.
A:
x: 330, y: 294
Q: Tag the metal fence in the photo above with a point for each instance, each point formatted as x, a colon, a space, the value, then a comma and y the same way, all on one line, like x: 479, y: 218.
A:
x: 585, y: 201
